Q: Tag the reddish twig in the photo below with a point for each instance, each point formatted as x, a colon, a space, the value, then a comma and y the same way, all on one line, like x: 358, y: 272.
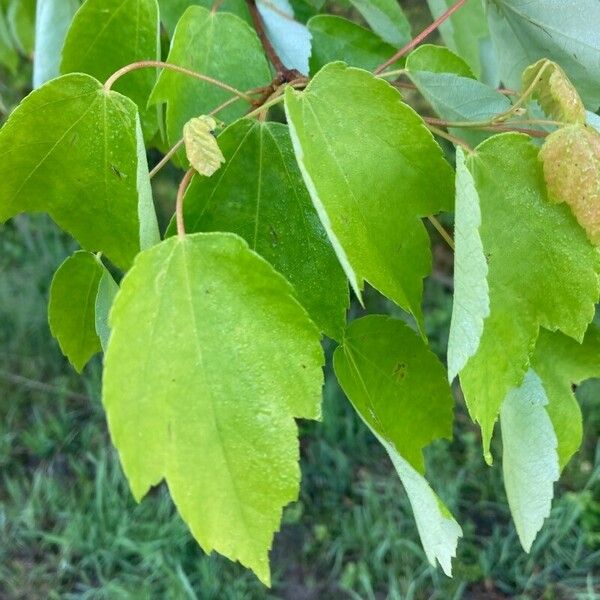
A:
x: 179, y: 205
x: 424, y: 34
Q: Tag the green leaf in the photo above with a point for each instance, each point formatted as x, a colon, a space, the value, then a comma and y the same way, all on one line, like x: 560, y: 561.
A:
x: 210, y: 359
x: 372, y: 169
x: 465, y: 32
x: 107, y: 291
x: 71, y: 309
x: 52, y: 21
x: 74, y: 151
x: 219, y: 45
x: 172, y: 10
x: 555, y: 93
x: 565, y: 31
x: 290, y: 38
x: 562, y: 362
x: 542, y: 271
x: 21, y: 21
x: 398, y: 387
x: 108, y: 34
x: 386, y: 19
x: 335, y: 38
x: 259, y: 194
x: 571, y: 161
x: 471, y: 292
x: 529, y: 455
x: 437, y: 59
x: 446, y: 82
x: 8, y: 55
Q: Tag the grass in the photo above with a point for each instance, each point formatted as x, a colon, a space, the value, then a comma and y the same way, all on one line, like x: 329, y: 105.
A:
x: 70, y: 528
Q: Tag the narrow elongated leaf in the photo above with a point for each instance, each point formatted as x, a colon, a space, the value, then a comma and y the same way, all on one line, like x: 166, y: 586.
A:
x: 290, y: 38
x: 542, y: 271
x: 565, y: 31
x: 109, y: 34
x: 76, y: 152
x: 386, y: 19
x: 52, y: 21
x: 471, y: 292
x: 71, y: 309
x: 530, y: 457
x: 107, y: 291
x: 210, y: 359
x: 465, y: 32
x: 335, y: 38
x: 398, y: 387
x: 259, y: 194
x: 372, y: 170
x: 561, y: 362
x: 198, y: 44
x: 172, y: 10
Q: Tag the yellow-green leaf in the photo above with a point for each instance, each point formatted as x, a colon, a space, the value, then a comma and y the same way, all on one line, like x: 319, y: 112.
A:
x: 201, y: 146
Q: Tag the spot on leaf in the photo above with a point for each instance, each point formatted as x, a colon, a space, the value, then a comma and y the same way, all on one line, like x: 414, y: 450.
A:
x: 201, y: 147
x: 571, y: 162
x: 554, y: 91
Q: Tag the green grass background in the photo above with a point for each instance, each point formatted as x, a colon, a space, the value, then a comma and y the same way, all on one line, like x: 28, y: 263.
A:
x: 69, y: 527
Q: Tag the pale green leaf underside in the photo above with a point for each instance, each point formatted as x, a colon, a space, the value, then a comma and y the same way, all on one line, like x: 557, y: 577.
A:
x: 335, y: 38
x: 72, y: 150
x: 107, y: 291
x: 198, y: 44
x: 529, y: 456
x: 52, y: 21
x: 71, y: 307
x: 561, y: 362
x: 372, y: 170
x: 399, y: 389
x: 108, y: 34
x: 259, y: 194
x: 471, y: 304
x: 386, y: 19
x: 210, y: 359
x: 542, y: 271
x: 565, y: 31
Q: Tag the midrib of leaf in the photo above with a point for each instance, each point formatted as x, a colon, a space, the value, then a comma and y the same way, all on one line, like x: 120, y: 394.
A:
x: 196, y: 334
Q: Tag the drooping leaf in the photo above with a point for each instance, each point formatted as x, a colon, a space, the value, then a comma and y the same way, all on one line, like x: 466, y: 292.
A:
x: 553, y: 90
x: 398, y: 387
x: 71, y: 308
x: 198, y: 44
x: 466, y: 33
x: 471, y: 292
x: 446, y: 82
x: 259, y: 194
x: 201, y: 146
x: 542, y: 271
x: 107, y: 291
x: 21, y: 22
x: 565, y: 31
x: 529, y: 455
x: 386, y: 19
x: 571, y: 160
x: 372, y: 170
x: 290, y: 38
x: 172, y: 10
x: 52, y: 21
x: 210, y: 359
x: 335, y: 38
x: 76, y: 152
x: 108, y: 34
x: 561, y: 362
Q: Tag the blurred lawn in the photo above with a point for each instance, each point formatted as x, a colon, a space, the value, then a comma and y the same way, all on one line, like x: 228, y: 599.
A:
x: 69, y: 527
